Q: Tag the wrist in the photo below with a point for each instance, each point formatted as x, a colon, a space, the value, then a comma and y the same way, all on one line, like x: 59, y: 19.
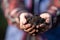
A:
x: 15, y: 13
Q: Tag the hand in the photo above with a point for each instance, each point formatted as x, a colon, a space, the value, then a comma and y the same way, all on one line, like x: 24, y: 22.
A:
x: 48, y: 20
x: 26, y: 27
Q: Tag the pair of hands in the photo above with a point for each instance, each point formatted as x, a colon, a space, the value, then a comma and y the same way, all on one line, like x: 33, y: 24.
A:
x: 30, y: 28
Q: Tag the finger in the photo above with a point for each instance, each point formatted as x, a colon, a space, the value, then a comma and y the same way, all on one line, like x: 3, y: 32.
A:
x: 48, y: 20
x: 33, y: 31
x: 22, y: 26
x: 37, y: 26
x: 37, y: 30
x: 33, y: 34
x: 42, y: 25
x: 22, y: 19
x: 28, y: 30
x: 43, y: 15
x: 27, y: 26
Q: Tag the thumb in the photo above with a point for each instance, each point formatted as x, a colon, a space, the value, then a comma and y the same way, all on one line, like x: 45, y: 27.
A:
x: 22, y: 19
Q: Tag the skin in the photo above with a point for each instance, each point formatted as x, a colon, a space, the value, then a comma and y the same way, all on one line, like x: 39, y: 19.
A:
x: 28, y: 27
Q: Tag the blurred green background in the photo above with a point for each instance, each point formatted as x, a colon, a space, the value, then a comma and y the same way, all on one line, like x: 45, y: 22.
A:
x: 3, y: 24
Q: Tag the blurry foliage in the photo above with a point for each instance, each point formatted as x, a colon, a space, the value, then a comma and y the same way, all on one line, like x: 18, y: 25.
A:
x: 3, y: 25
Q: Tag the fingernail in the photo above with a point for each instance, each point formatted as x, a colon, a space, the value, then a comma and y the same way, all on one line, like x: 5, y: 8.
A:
x: 29, y: 24
x: 36, y: 30
x: 33, y: 34
x: 37, y: 26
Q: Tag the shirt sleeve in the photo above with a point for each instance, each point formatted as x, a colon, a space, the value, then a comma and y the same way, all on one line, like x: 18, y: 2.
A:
x: 13, y: 8
x: 16, y: 4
